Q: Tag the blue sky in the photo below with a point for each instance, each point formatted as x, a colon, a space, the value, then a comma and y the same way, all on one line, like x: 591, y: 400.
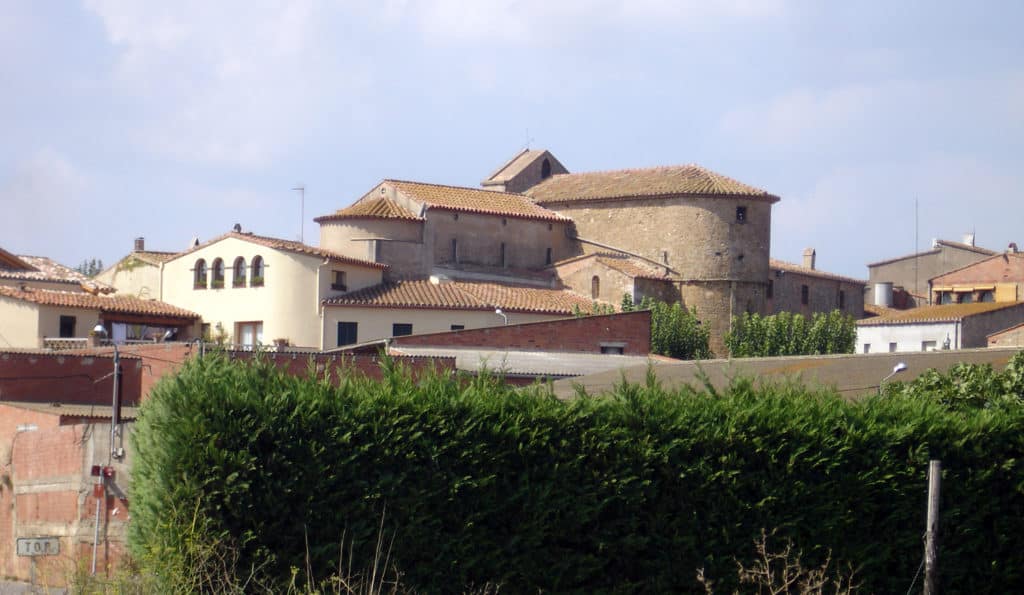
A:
x: 174, y: 120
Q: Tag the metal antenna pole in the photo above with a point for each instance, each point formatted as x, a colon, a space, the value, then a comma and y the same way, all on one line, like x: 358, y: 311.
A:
x: 931, y: 545
x: 302, y: 210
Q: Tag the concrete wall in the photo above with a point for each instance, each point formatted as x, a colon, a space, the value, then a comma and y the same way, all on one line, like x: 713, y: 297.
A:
x: 928, y: 264
x: 288, y: 303
x: 51, y: 494
x: 375, y: 323
x: 908, y: 337
x: 822, y: 293
x: 19, y: 324
x: 630, y: 330
x: 1011, y: 338
x: 977, y: 328
x: 133, y: 276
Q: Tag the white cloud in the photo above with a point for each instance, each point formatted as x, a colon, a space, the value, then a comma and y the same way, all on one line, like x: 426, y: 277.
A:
x: 234, y: 82
x: 527, y: 22
x: 43, y: 191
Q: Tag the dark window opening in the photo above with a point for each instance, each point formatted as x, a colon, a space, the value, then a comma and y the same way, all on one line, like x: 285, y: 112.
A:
x: 741, y: 214
x: 545, y: 169
x: 458, y: 327
x: 964, y: 298
x: 238, y: 276
x: 502, y: 259
x: 455, y: 250
x: 455, y: 216
x: 547, y: 256
x: 771, y: 289
x: 400, y: 329
x: 613, y: 349
x: 67, y: 327
x: 986, y: 296
x: 199, y: 281
x: 339, y: 283
x: 504, y: 222
x: 348, y: 333
x: 805, y: 295
x: 842, y: 299
x: 595, y: 286
x: 257, y: 271
x: 218, y: 273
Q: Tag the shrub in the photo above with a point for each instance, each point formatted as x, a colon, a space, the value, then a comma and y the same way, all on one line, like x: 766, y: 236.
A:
x: 630, y: 492
x: 753, y: 335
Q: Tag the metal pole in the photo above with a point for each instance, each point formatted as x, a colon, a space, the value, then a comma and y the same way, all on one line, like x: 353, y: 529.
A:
x: 931, y: 536
x: 95, y: 533
x: 115, y: 405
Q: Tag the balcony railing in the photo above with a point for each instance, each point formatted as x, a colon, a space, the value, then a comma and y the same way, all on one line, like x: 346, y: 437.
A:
x: 59, y: 343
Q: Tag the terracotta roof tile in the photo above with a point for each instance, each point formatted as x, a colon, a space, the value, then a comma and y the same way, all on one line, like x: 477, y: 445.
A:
x: 940, y: 313
x: 800, y: 270
x: 627, y: 265
x: 106, y: 303
x: 153, y: 256
x: 474, y: 200
x: 465, y: 295
x: 379, y: 207
x: 681, y: 180
x: 50, y: 271
x: 286, y: 245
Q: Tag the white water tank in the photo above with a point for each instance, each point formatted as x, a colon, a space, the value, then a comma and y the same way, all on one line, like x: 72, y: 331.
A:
x: 883, y: 294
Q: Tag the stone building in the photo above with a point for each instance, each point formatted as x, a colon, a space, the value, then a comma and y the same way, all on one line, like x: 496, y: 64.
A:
x: 909, y: 275
x: 998, y: 278
x: 805, y: 290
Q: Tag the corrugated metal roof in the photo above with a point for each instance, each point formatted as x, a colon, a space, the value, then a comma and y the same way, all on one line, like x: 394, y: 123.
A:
x: 528, y: 363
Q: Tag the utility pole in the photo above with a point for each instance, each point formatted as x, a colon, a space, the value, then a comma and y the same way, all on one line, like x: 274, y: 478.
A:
x: 931, y: 536
x: 302, y: 210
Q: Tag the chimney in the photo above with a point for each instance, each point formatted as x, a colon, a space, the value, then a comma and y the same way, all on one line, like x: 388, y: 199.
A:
x: 140, y: 244
x: 1012, y: 248
x: 969, y: 239
x: 809, y: 258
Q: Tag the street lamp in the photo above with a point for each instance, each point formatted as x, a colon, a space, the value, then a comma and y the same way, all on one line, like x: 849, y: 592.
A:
x: 502, y: 314
x: 895, y: 370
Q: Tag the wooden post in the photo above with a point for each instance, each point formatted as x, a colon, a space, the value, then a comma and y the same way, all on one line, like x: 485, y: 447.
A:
x: 931, y: 536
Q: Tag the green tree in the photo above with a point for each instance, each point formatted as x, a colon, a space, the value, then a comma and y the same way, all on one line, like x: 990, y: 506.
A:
x: 753, y: 335
x: 675, y: 331
x: 90, y: 267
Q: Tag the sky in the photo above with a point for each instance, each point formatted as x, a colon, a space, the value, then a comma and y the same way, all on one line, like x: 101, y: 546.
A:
x: 176, y: 120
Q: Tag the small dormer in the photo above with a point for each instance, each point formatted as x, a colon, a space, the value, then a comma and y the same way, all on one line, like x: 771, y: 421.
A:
x: 524, y: 171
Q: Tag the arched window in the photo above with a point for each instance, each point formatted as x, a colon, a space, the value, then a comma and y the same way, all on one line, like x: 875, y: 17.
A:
x: 218, y: 273
x: 257, y: 271
x: 545, y: 169
x: 595, y: 286
x: 199, y: 282
x: 238, y: 278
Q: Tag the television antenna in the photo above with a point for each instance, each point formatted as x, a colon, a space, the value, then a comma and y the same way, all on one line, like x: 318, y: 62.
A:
x: 302, y: 210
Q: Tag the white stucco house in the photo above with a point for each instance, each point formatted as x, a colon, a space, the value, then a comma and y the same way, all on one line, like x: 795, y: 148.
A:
x: 928, y: 328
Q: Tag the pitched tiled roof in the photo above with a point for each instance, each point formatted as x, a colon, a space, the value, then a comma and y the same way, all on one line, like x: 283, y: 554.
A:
x: 935, y: 250
x: 106, y: 303
x: 464, y: 295
x: 152, y: 256
x: 873, y: 310
x: 941, y: 313
x: 800, y: 270
x: 680, y: 180
x: 379, y: 207
x: 473, y: 200
x: 50, y: 271
x: 629, y: 266
x: 513, y: 166
x: 287, y: 245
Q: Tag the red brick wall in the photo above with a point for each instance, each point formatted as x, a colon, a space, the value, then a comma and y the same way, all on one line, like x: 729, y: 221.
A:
x: 1002, y: 268
x: 63, y: 378
x: 579, y: 335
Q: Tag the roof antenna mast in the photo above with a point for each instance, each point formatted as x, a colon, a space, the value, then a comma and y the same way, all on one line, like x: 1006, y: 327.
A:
x: 302, y: 209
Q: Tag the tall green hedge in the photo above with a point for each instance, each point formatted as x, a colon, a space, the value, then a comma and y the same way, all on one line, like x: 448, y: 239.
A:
x: 626, y: 493
x: 785, y: 333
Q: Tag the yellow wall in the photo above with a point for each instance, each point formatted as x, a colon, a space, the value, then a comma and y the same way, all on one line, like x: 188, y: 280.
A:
x: 375, y: 323
x: 49, y: 321
x: 288, y: 304
x: 19, y: 324
x: 133, y: 277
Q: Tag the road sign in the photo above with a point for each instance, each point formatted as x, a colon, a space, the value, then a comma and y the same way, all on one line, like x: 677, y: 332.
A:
x: 38, y: 546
